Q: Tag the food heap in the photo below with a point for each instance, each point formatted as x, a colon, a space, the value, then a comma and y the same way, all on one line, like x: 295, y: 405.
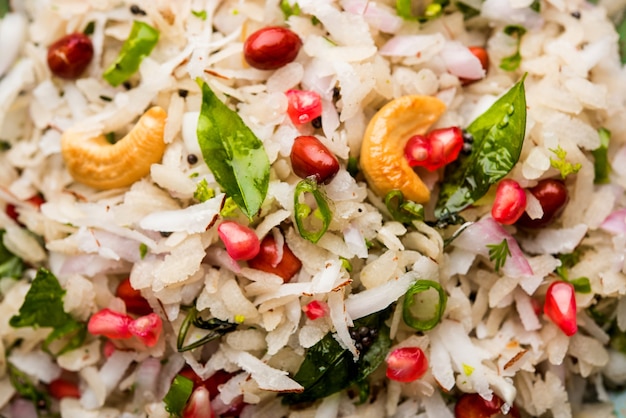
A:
x: 296, y: 208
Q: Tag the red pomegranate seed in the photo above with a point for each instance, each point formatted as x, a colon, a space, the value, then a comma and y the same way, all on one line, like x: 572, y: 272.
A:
x: 271, y: 48
x: 135, y: 303
x: 69, y: 56
x: 108, y: 349
x: 198, y: 405
x: 560, y: 306
x: 147, y: 328
x: 435, y: 150
x: 552, y: 195
x: 62, y: 388
x: 12, y: 212
x: 109, y: 323
x: 482, y: 55
x: 241, y: 242
x: 472, y: 405
x: 303, y: 106
x: 315, y: 309
x: 311, y: 158
x: 268, y: 260
x: 510, y: 202
x: 406, y: 364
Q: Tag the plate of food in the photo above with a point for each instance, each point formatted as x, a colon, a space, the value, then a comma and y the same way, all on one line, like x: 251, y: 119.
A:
x: 312, y: 208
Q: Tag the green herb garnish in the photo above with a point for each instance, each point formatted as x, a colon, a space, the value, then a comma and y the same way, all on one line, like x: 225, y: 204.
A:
x: 203, y: 191
x: 404, y: 9
x: 467, y: 10
x: 25, y: 387
x: 200, y: 14
x: 178, y: 395
x: 312, y: 224
x: 621, y: 31
x: 90, y: 28
x: 10, y: 264
x: 328, y: 368
x: 601, y: 165
x: 5, y: 7
x: 512, y: 62
x: 143, y: 250
x: 498, y: 253
x: 233, y: 153
x: 405, y: 211
x: 498, y: 138
x: 43, y: 307
x: 289, y: 9
x: 560, y: 163
x: 140, y: 43
x: 420, y: 310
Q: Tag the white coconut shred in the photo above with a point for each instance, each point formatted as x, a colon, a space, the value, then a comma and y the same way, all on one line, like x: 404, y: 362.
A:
x: 312, y: 208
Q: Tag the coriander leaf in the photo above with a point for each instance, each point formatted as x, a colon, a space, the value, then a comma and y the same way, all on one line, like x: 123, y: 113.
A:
x: 5, y: 7
x: 203, y: 191
x: 581, y: 285
x: 328, y: 368
x: 143, y: 250
x: 10, y: 264
x: 511, y: 63
x: 24, y: 386
x: 601, y: 165
x: 499, y: 253
x: 233, y: 153
x: 498, y: 138
x: 139, y: 45
x: 178, y: 395
x: 560, y: 163
x: 289, y: 9
x: 200, y: 14
x: 43, y: 307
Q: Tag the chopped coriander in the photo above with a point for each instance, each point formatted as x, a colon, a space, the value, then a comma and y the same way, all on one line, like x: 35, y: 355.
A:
x: 203, y: 191
x: 43, y: 307
x: 345, y: 263
x: 601, y: 165
x: 5, y: 7
x: 289, y: 9
x: 178, y: 395
x: 110, y: 137
x: 143, y: 250
x: 200, y: 14
x: 536, y: 6
x: 560, y: 163
x: 512, y: 62
x: 25, y: 387
x: 229, y: 208
x: 499, y: 253
x: 581, y: 285
x: 89, y: 29
x: 10, y: 264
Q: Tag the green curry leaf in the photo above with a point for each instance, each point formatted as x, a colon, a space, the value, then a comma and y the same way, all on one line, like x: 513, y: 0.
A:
x: 498, y: 137
x: 234, y: 154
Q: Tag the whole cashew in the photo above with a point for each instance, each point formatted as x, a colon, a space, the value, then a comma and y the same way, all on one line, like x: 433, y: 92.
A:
x: 101, y: 165
x: 382, y: 151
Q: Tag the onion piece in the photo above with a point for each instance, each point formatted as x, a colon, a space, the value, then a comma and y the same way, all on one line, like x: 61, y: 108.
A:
x: 476, y: 237
x: 461, y: 62
x: 615, y: 223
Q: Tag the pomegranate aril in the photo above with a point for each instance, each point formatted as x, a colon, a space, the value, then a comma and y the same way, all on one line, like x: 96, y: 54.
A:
x: 241, y: 242
x: 560, y: 306
x: 417, y: 150
x: 198, y: 405
x: 315, y: 309
x: 271, y: 47
x: 310, y: 158
x: 147, y: 328
x: 482, y: 55
x: 303, y: 106
x: 406, y: 364
x: 472, y: 405
x: 510, y: 202
x: 435, y: 150
x: 135, y: 303
x: 70, y: 56
x: 62, y: 388
x: 12, y: 212
x: 110, y: 324
x: 552, y: 195
x: 268, y: 260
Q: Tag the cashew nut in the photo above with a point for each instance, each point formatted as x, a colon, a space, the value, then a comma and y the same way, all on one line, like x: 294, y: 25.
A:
x: 101, y: 165
x: 382, y: 150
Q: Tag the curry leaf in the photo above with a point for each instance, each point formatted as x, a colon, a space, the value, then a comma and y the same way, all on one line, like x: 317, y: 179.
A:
x: 139, y: 44
x: 233, y: 153
x: 328, y: 368
x: 498, y: 137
